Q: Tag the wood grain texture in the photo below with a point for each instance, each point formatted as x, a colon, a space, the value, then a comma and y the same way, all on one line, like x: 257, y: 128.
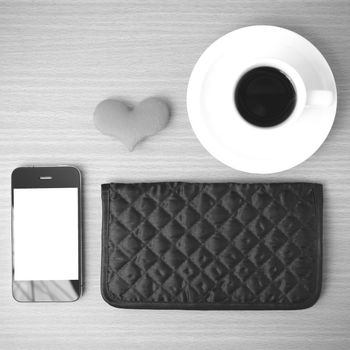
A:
x: 58, y: 59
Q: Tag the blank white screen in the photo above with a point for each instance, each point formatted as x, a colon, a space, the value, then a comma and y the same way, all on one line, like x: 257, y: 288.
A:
x: 45, y: 234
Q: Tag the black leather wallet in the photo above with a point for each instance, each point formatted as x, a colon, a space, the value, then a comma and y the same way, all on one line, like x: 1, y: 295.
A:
x: 220, y: 246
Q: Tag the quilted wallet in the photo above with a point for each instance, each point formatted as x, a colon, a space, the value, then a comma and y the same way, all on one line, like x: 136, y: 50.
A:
x: 176, y: 245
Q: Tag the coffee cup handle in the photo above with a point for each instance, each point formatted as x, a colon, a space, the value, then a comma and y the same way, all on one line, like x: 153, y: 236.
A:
x: 319, y: 98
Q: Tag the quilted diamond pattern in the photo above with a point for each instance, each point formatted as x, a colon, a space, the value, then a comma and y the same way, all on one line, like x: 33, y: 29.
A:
x: 212, y: 246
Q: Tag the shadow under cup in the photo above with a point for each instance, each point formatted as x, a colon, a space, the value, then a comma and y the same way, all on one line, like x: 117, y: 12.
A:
x: 265, y: 96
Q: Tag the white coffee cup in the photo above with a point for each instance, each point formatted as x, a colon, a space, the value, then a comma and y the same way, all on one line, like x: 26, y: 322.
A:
x: 305, y: 97
x: 308, y: 93
x: 211, y: 99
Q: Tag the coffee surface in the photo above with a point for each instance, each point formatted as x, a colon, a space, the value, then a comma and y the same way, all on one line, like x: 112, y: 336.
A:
x: 265, y: 97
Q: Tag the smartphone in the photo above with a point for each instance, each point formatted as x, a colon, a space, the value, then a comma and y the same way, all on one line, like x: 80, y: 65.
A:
x: 46, y: 234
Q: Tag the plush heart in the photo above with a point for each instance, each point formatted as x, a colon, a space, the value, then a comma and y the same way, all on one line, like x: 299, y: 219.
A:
x: 130, y: 126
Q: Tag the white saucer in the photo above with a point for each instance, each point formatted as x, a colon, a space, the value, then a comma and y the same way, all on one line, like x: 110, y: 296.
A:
x: 221, y: 130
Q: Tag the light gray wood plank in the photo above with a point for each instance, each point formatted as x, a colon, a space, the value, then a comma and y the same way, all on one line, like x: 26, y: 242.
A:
x: 58, y: 59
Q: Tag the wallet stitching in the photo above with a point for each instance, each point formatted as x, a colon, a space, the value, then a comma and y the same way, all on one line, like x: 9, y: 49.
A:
x: 315, y: 204
x: 198, y: 303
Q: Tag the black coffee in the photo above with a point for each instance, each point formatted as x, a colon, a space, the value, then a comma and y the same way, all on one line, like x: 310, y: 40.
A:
x: 265, y: 97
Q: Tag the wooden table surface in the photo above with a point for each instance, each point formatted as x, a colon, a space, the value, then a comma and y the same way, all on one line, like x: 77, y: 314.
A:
x: 58, y: 59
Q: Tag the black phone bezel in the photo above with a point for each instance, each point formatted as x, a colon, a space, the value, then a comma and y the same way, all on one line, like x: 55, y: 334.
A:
x: 50, y: 177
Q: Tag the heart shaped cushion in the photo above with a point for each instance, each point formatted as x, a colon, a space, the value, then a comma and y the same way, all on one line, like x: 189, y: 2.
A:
x: 130, y: 126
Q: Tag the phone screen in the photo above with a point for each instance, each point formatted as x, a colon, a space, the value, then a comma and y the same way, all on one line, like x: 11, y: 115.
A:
x: 45, y: 234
